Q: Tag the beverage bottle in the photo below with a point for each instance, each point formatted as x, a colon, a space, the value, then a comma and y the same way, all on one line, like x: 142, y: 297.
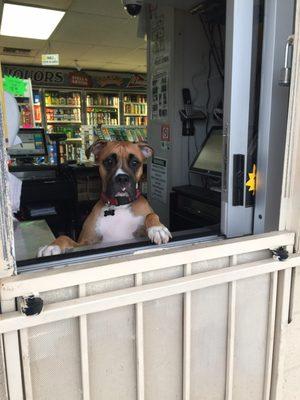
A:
x: 37, y: 113
x: 47, y: 99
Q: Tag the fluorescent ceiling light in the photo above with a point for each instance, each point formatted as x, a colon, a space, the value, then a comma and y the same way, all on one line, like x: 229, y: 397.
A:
x: 29, y: 22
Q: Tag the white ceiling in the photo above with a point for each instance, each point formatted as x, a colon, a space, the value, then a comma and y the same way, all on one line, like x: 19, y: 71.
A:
x: 99, y: 34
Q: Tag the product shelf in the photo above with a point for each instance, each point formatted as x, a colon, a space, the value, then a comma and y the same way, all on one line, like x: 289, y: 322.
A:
x: 63, y: 122
x: 61, y: 106
x: 134, y: 115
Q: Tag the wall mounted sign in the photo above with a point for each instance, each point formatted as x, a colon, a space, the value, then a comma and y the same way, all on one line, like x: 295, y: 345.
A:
x: 50, y: 59
x: 159, y: 179
x: 165, y: 135
x: 67, y: 77
x: 159, y: 95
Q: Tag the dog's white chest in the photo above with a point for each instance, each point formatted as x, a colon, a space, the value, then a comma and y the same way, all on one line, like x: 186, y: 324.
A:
x: 118, y: 227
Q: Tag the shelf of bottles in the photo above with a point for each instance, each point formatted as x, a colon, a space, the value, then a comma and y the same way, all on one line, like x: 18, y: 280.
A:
x: 135, y: 109
x: 63, y: 111
x: 102, y: 108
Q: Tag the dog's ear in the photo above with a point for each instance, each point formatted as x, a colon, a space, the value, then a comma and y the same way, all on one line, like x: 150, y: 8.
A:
x: 95, y: 148
x: 146, y: 150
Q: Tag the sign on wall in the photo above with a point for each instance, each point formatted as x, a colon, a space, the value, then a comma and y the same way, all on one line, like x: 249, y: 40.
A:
x: 159, y: 95
x: 67, y: 77
x: 159, y: 179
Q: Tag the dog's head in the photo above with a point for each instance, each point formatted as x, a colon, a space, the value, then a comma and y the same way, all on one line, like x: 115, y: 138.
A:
x: 120, y: 167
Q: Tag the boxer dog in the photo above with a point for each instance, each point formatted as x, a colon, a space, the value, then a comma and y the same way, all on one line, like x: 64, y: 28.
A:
x: 121, y: 213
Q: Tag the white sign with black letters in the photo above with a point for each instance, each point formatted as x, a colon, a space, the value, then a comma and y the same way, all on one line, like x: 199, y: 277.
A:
x: 50, y: 59
x: 159, y: 179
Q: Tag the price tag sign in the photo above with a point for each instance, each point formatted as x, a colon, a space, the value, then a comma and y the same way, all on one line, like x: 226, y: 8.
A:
x: 50, y: 59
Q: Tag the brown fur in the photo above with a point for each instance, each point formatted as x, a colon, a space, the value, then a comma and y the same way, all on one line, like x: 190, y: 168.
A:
x: 138, y: 207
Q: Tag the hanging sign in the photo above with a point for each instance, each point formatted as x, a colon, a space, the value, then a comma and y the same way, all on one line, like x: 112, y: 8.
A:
x: 80, y: 79
x: 50, y: 59
x: 66, y: 77
x: 15, y: 86
x: 137, y: 81
x: 110, y: 80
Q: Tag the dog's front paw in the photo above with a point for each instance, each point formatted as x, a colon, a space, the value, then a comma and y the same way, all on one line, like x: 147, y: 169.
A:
x: 159, y: 234
x: 50, y: 250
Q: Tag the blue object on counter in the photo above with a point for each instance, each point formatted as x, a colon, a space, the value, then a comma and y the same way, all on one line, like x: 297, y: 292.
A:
x: 52, y: 153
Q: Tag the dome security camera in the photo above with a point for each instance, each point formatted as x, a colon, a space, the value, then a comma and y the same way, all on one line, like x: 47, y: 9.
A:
x: 133, y: 7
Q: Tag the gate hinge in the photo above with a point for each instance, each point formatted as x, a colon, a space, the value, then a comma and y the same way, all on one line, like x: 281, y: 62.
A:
x: 31, y: 305
x: 280, y: 253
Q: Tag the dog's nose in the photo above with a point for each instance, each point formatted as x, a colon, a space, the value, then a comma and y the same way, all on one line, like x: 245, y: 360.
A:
x: 122, y: 179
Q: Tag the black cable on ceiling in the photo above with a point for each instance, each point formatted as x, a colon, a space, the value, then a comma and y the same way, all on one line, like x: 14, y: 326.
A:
x: 221, y: 46
x: 212, y: 47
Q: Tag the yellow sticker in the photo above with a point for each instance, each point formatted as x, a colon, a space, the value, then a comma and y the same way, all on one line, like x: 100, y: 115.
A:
x: 251, y: 183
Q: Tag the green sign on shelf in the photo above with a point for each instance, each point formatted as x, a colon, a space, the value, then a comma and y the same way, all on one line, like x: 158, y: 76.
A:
x: 15, y: 86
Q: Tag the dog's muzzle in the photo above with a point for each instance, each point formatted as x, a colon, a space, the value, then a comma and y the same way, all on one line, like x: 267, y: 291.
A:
x: 122, y: 190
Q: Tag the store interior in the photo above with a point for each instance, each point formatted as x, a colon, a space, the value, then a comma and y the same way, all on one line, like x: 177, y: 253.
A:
x: 106, y: 87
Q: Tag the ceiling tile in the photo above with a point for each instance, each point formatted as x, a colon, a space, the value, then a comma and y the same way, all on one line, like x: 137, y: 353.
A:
x: 105, y: 54
x: 95, y: 29
x: 97, y: 33
x: 111, y: 8
x: 56, y: 4
x: 20, y: 43
x: 137, y: 56
x: 67, y: 50
x: 17, y: 60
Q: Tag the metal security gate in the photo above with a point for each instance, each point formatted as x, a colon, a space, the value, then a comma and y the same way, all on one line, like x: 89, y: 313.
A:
x: 196, y: 322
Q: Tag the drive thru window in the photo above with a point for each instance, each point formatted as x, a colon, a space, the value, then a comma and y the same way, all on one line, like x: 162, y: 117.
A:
x: 129, y: 291
x: 206, y: 143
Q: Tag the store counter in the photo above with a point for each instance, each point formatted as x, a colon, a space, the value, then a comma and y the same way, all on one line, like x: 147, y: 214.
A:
x: 61, y: 196
x: 29, y: 237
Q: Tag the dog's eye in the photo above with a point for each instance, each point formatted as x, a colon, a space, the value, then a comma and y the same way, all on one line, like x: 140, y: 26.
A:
x: 109, y: 161
x: 133, y: 162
